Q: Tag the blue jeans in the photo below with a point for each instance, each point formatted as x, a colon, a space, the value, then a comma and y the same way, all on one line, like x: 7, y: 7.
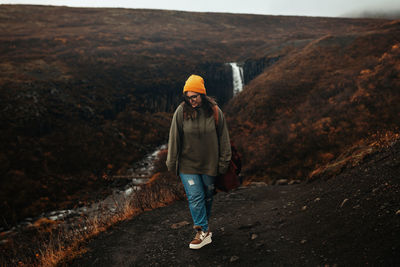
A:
x: 199, y: 189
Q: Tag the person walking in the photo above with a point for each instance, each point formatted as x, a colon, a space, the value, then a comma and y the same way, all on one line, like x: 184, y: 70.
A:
x: 198, y: 150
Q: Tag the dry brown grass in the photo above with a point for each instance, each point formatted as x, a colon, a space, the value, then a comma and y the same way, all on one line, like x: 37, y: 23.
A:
x: 311, y: 106
x: 110, y: 67
x: 357, y: 153
x: 55, y: 244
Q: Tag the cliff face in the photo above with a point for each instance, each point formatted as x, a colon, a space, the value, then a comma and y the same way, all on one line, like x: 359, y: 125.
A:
x: 84, y: 92
x: 252, y: 68
x: 218, y: 83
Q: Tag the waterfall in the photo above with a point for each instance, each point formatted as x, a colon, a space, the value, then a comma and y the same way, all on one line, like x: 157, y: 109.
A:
x: 237, y: 76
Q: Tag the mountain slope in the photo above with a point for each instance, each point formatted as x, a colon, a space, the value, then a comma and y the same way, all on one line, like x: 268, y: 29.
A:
x: 312, y: 105
x: 84, y: 91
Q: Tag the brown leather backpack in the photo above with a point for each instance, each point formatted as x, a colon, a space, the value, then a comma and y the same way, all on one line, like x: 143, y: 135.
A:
x: 231, y: 179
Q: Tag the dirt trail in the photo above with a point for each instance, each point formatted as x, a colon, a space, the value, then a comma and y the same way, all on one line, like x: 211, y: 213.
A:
x: 352, y: 219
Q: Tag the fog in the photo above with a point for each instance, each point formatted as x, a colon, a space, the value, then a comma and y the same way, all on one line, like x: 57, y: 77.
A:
x: 329, y: 8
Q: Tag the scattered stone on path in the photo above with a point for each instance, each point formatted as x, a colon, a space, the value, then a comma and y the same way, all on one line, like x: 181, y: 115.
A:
x: 179, y: 224
x: 398, y: 212
x: 304, y: 208
x: 317, y: 199
x: 294, y: 182
x: 258, y: 184
x: 259, y: 244
x: 249, y: 226
x: 282, y: 182
x: 303, y: 241
x: 253, y: 236
x: 344, y: 202
x: 4, y: 241
x: 234, y: 258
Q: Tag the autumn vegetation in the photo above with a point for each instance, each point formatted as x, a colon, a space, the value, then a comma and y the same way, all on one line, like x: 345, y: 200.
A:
x: 85, y: 93
x: 51, y: 243
x: 310, y: 107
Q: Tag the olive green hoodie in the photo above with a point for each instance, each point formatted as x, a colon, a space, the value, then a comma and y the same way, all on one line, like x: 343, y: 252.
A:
x: 196, y: 147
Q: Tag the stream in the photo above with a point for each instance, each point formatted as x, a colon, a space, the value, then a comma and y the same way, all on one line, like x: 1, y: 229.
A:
x: 139, y: 174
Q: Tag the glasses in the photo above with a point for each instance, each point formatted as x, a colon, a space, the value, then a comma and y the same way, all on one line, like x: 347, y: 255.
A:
x: 193, y: 97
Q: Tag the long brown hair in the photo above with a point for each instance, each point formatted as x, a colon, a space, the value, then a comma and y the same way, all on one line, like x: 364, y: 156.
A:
x: 207, y: 103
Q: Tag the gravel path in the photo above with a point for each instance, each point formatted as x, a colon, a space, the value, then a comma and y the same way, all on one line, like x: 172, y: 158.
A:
x: 352, y: 219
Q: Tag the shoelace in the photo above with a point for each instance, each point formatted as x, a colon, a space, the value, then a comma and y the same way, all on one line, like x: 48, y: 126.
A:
x: 200, y: 235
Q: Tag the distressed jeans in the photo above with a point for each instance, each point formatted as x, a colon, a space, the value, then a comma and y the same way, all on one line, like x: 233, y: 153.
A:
x: 199, y: 189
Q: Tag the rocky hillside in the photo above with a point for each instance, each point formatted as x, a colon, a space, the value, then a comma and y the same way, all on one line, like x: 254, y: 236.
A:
x: 315, y: 103
x: 84, y: 92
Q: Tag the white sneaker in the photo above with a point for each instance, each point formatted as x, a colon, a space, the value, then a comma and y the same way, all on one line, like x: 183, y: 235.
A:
x: 200, y: 240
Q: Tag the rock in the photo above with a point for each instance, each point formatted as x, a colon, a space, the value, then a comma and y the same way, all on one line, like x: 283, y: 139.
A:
x: 294, y: 182
x: 398, y: 212
x: 303, y: 241
x: 249, y: 226
x: 304, y: 208
x: 179, y: 224
x: 259, y: 244
x: 317, y: 199
x: 344, y: 202
x: 282, y: 182
x: 258, y: 184
x: 234, y: 258
x: 4, y: 241
x: 43, y: 221
x: 253, y: 236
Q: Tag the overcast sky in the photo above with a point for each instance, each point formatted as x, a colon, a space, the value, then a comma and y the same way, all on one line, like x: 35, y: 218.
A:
x: 330, y: 8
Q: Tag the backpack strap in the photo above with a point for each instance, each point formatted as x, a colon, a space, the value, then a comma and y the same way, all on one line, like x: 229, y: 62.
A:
x: 215, y: 109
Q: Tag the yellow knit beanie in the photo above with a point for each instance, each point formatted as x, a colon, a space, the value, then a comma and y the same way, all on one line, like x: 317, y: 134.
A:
x: 195, y: 84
